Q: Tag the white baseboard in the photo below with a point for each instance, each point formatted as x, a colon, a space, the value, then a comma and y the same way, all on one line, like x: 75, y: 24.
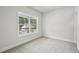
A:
x: 54, y: 37
x: 17, y: 44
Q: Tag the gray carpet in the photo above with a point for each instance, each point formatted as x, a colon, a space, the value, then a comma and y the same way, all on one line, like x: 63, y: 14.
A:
x: 45, y: 45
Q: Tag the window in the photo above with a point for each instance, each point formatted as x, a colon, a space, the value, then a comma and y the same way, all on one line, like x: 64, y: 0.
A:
x: 27, y: 24
x: 33, y: 24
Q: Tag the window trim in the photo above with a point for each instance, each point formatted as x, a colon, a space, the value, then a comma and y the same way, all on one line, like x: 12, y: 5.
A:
x: 27, y: 16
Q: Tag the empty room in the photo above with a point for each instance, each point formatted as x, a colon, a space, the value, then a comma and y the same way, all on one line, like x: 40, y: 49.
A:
x: 39, y: 29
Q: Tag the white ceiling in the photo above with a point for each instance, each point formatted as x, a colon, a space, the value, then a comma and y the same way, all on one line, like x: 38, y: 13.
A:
x: 44, y: 9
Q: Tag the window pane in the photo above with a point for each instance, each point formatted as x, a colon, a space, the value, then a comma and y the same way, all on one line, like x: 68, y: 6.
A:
x: 33, y: 25
x: 21, y: 20
x: 23, y: 25
x: 26, y: 25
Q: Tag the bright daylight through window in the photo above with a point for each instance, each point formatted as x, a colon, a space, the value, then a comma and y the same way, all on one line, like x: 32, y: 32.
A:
x: 27, y: 24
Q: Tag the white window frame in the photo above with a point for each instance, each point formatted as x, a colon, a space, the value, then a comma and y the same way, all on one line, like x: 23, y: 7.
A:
x: 26, y: 15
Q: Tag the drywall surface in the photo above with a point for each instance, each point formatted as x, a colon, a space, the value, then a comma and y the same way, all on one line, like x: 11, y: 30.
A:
x: 1, y: 20
x: 75, y: 24
x: 77, y: 12
x: 59, y: 24
x: 9, y: 26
